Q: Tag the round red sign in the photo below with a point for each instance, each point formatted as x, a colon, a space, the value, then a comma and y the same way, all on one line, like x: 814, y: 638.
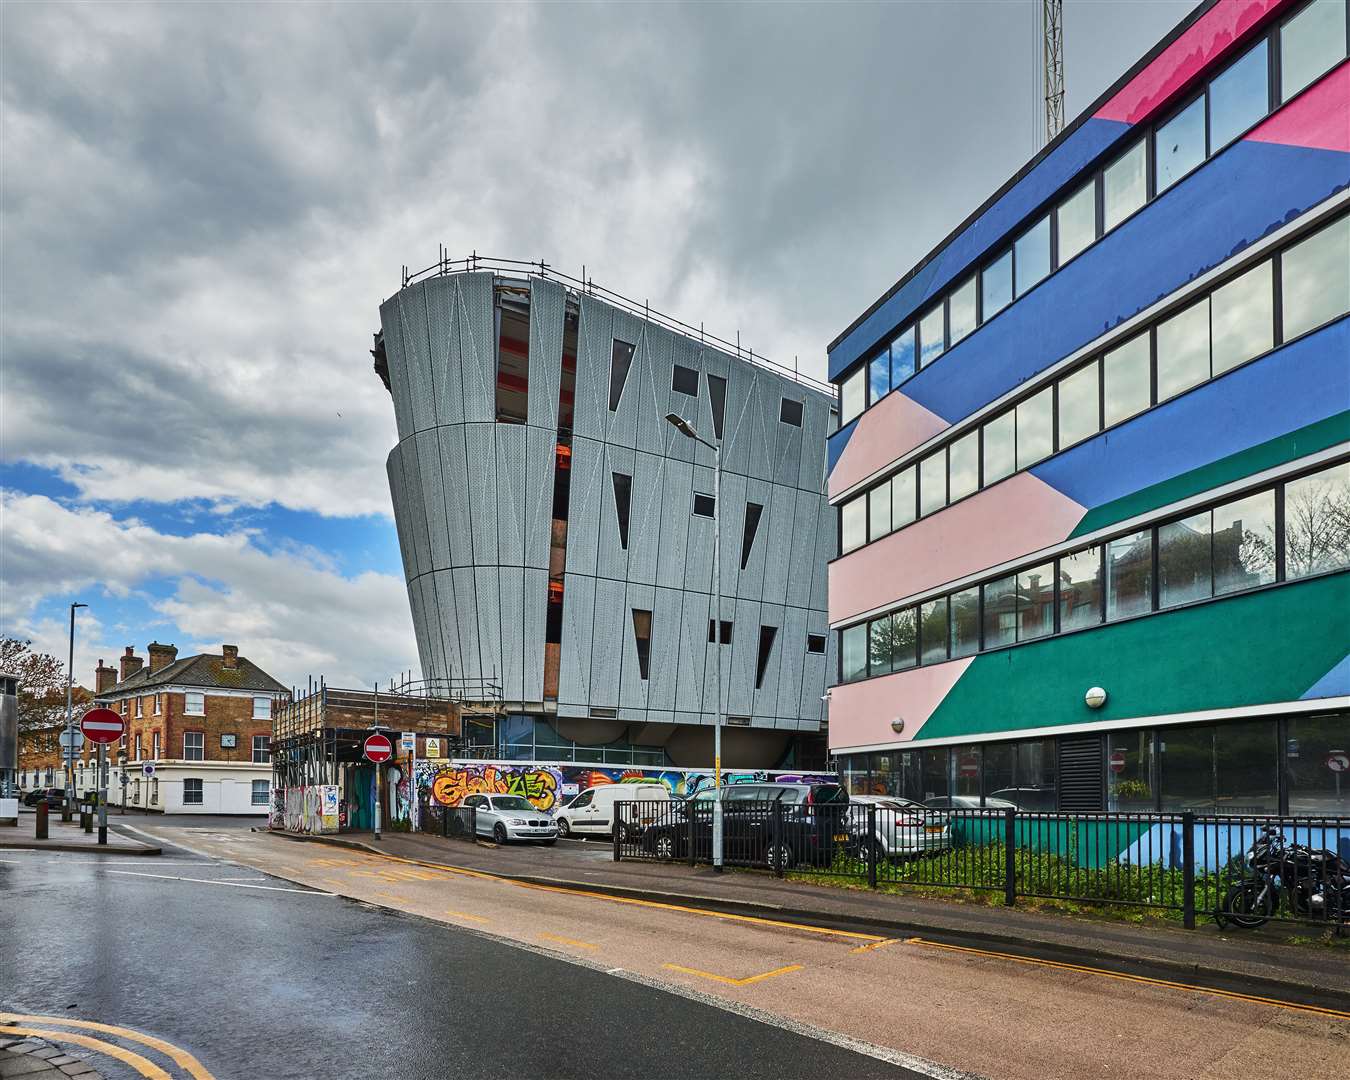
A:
x: 101, y: 725
x: 378, y: 748
x: 969, y: 765
x: 1117, y: 761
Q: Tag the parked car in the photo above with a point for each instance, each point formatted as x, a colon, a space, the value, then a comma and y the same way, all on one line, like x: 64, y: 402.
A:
x: 1037, y: 799
x: 903, y: 827
x: 592, y: 812
x: 511, y: 817
x: 763, y: 824
x: 53, y: 796
x: 968, y: 802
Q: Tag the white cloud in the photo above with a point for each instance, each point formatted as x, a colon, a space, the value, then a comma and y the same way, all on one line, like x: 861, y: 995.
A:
x: 289, y: 613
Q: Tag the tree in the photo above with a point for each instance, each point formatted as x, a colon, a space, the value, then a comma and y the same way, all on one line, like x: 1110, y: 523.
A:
x: 42, y: 684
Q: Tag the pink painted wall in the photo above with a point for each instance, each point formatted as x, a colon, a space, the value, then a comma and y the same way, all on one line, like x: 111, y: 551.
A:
x: 891, y: 428
x: 1211, y: 36
x: 861, y: 712
x: 1014, y: 517
x: 1320, y: 118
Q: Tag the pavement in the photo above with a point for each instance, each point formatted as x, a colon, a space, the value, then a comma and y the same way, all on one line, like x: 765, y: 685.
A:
x: 36, y: 1059
x: 1245, y: 960
x: 68, y: 836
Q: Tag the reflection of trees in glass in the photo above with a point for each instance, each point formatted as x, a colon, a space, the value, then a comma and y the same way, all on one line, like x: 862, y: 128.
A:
x: 1184, y: 560
x: 1317, y: 522
x: 892, y: 643
x: 1243, y: 557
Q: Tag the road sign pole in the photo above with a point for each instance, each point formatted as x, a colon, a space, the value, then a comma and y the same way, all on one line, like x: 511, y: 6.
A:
x: 377, y: 800
x: 102, y: 793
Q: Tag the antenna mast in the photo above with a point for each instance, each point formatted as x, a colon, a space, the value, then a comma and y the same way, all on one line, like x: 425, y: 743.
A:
x: 1052, y: 52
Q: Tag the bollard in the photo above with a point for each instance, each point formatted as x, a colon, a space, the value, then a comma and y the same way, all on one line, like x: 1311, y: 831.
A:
x: 86, y: 818
x: 41, y: 833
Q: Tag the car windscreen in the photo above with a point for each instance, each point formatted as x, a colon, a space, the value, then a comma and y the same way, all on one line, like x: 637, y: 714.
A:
x: 823, y: 794
x: 511, y: 802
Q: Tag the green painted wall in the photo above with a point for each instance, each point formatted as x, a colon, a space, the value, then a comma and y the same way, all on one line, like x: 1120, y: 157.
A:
x: 1266, y: 455
x: 1249, y: 649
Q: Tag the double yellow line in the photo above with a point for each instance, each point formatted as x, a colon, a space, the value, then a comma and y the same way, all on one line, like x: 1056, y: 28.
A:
x: 23, y: 1025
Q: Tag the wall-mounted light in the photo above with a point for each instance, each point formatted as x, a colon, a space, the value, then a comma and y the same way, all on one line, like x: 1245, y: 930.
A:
x: 898, y: 724
x: 1095, y: 698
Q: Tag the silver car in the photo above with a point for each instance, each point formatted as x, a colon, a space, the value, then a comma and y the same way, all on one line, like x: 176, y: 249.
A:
x: 511, y: 817
x: 902, y: 827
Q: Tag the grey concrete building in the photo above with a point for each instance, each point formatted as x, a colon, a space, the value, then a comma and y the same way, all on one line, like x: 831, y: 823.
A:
x: 557, y: 531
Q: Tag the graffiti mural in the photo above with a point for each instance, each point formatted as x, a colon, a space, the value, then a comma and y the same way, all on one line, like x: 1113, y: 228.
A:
x: 447, y: 783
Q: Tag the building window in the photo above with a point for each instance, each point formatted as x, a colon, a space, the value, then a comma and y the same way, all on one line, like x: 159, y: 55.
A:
x: 260, y: 793
x: 194, y: 743
x: 1179, y: 145
x: 1080, y: 589
x: 1185, y: 571
x: 878, y: 511
x: 965, y: 615
x: 1035, y: 428
x: 136, y: 743
x: 194, y: 704
x: 1078, y: 406
x: 513, y: 362
x: 963, y: 466
x: 999, y: 439
x: 1000, y: 612
x: 642, y: 634
x: 961, y: 310
x: 1031, y: 256
x: 878, y: 376
x: 1317, y: 522
x: 154, y: 743
x: 1183, y: 350
x: 852, y: 525
x: 767, y: 634
x: 932, y: 339
x: 1076, y: 218
x: 620, y: 360
x: 623, y: 493
x: 140, y: 707
x: 933, y: 483
x: 1129, y: 575
x: 996, y: 285
x: 262, y: 708
x: 1127, y: 380
x: 717, y: 398
x: 904, y: 497
x: 704, y: 505
x: 726, y: 630
x: 1315, y: 279
x: 567, y: 382
x: 1125, y: 185
x: 1242, y: 317
x: 1313, y: 787
x: 852, y: 395
x: 684, y: 380
x: 934, y: 631
x: 1244, y: 543
x: 853, y: 653
x: 158, y: 703
x: 1310, y: 43
x: 753, y: 512
x: 815, y: 643
x: 790, y: 412
x: 262, y: 749
x: 192, y: 791
x: 125, y: 706
x: 902, y: 356
x: 1239, y: 97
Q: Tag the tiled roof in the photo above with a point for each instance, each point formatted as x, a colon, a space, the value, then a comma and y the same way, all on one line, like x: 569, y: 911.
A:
x: 206, y: 670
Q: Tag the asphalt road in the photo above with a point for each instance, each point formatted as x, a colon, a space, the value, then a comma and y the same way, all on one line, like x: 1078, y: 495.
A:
x: 258, y: 976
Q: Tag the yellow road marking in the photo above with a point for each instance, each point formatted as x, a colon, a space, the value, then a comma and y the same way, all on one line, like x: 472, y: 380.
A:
x: 466, y: 915
x: 181, y: 1057
x: 733, y: 982
x: 569, y: 941
x: 1060, y: 965
x: 875, y: 945
x: 757, y: 920
x: 394, y: 896
x: 144, y: 1066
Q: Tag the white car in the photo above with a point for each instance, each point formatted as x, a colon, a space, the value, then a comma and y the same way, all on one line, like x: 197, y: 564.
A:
x: 510, y: 817
x: 902, y: 827
x: 592, y: 812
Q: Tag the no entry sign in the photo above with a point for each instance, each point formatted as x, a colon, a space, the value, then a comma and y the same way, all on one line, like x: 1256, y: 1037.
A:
x: 101, y: 725
x: 378, y: 748
x: 1117, y: 761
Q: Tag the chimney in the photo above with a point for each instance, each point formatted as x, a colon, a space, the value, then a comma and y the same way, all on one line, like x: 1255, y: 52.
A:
x: 131, y: 663
x: 229, y: 657
x: 105, y: 678
x: 161, y: 656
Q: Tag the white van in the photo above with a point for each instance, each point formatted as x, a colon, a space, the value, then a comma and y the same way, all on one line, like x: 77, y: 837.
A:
x: 591, y: 813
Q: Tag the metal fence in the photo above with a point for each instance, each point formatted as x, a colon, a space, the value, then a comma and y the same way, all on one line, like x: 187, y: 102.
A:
x: 1244, y: 870
x: 452, y: 822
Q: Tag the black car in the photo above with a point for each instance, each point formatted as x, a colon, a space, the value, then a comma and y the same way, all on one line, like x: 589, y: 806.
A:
x: 763, y: 824
x: 53, y: 796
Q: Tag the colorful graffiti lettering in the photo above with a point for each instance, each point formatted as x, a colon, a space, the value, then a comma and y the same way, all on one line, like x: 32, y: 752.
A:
x: 452, y: 784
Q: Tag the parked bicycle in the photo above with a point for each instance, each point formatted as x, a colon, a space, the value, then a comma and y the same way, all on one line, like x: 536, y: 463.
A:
x: 1312, y: 883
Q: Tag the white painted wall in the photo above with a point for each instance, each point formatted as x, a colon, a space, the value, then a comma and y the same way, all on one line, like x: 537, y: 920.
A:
x: 227, y: 787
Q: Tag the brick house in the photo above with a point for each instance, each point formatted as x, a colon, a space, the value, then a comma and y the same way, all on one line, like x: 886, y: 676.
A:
x: 41, y: 762
x: 203, y: 725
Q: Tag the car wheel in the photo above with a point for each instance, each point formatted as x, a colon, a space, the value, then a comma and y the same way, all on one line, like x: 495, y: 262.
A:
x: 564, y: 829
x: 499, y: 833
x: 779, y: 856
x: 627, y: 834
x: 665, y: 846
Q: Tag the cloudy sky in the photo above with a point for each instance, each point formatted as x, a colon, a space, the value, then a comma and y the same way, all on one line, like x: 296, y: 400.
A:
x: 202, y: 207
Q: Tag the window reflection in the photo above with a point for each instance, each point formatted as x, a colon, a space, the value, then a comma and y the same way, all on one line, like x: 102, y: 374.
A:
x: 961, y: 310
x: 1127, y: 380
x: 1183, y: 350
x: 852, y: 524
x: 1036, y: 602
x: 1080, y: 589
x: 1079, y: 406
x: 1077, y: 220
x: 996, y: 285
x: 931, y: 344
x: 1000, y: 612
x: 1186, y: 768
x: 1242, y: 316
x: 1184, y: 570
x: 1035, y: 428
x: 1317, y: 522
x: 879, y: 376
x: 1313, y: 787
x: 1129, y: 773
x: 1000, y: 447
x: 880, y: 641
x: 1239, y: 97
x: 1129, y: 575
x: 903, y: 497
x: 964, y: 466
x: 1315, y: 279
x: 1244, y: 543
x: 904, y: 640
x: 853, y: 652
x: 1031, y: 256
x: 933, y: 631
x: 879, y: 511
x: 852, y: 396
x: 1310, y: 43
x: 1125, y: 185
x: 965, y: 622
x: 902, y: 356
x: 1179, y: 145
x: 933, y: 483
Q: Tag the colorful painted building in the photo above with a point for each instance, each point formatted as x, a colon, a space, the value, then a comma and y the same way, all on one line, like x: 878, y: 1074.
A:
x: 1093, y: 471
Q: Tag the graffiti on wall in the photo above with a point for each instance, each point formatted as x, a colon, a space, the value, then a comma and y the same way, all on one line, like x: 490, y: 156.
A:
x: 548, y: 786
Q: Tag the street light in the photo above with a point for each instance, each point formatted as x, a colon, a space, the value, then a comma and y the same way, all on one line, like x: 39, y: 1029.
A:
x: 70, y: 720
x: 686, y: 429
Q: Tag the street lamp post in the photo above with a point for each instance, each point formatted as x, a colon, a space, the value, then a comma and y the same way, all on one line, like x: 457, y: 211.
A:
x: 687, y: 429
x: 70, y: 720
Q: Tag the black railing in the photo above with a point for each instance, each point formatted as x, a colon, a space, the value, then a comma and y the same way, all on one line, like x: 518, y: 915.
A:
x: 1243, y: 870
x: 452, y: 822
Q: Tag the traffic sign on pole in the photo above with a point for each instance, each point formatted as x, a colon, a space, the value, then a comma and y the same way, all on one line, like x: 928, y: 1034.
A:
x: 378, y: 748
x: 71, y: 740
x: 1117, y: 761
x: 1338, y: 761
x: 102, y: 726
